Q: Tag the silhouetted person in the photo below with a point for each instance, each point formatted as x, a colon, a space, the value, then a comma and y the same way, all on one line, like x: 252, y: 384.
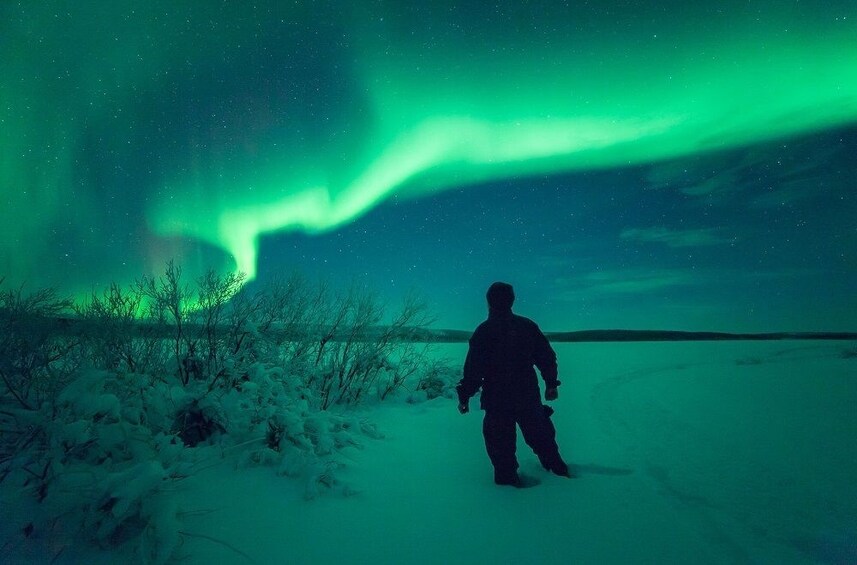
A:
x: 503, y: 350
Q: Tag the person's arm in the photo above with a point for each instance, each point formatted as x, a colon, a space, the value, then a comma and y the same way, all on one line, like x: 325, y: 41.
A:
x: 471, y: 381
x: 545, y: 360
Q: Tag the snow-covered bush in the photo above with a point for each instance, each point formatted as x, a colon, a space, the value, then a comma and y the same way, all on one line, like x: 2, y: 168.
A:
x: 105, y: 411
x: 358, y: 358
x: 438, y: 380
x: 112, y: 337
x: 33, y: 359
x: 99, y: 468
x: 107, y: 454
x: 278, y: 420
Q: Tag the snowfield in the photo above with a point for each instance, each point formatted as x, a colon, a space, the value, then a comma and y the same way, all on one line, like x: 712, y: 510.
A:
x: 691, y: 452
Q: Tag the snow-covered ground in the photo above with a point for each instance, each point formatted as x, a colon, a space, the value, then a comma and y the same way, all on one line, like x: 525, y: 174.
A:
x: 730, y: 452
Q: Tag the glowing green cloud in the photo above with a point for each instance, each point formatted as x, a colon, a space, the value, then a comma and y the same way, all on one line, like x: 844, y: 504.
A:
x: 458, y: 122
x: 475, y: 150
x: 224, y: 123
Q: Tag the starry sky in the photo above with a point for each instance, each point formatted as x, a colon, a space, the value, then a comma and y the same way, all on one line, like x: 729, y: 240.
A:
x: 657, y: 165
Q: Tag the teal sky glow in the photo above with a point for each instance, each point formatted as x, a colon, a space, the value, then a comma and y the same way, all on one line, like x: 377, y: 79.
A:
x: 266, y: 138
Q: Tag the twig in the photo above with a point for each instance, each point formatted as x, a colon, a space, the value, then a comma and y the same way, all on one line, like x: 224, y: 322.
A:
x: 216, y: 463
x: 221, y: 542
x: 248, y: 442
x: 9, y: 387
x: 200, y: 512
x: 60, y: 552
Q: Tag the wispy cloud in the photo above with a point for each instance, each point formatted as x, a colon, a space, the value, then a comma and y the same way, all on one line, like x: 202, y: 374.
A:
x: 788, y: 193
x: 709, y: 177
x: 767, y: 175
x: 675, y: 238
x: 725, y: 183
x: 649, y: 281
x: 627, y: 281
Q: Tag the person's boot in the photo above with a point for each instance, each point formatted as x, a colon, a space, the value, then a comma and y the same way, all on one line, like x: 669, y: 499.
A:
x: 561, y: 469
x: 556, y: 466
x: 510, y: 479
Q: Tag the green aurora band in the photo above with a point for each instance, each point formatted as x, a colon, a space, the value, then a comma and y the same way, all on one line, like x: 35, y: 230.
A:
x: 403, y: 102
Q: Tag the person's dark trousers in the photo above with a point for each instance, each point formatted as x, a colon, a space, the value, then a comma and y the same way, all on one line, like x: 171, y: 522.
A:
x: 498, y: 427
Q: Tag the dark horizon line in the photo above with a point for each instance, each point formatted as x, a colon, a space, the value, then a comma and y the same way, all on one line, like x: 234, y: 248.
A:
x: 72, y: 325
x: 621, y: 335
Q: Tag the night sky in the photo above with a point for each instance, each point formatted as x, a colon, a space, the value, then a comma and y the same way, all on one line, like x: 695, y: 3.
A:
x: 660, y: 165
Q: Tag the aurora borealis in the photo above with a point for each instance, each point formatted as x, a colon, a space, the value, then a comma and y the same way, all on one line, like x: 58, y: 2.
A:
x: 647, y: 165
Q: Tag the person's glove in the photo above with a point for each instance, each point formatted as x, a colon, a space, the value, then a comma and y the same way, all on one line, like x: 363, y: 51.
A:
x: 463, y: 407
x: 551, y: 394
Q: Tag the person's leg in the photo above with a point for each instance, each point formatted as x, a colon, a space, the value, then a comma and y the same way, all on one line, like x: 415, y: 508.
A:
x: 499, y: 431
x: 540, y: 434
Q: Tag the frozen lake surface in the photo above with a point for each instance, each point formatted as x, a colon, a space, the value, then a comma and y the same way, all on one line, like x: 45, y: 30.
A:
x: 691, y: 452
x: 727, y: 452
